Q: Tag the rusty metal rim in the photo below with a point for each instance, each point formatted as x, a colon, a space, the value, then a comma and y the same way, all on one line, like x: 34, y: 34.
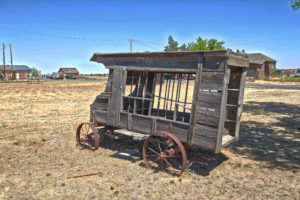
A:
x: 173, y: 137
x: 95, y: 135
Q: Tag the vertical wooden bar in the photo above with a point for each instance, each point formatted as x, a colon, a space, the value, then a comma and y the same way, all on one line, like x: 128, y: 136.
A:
x: 186, y: 92
x: 123, y: 89
x: 144, y: 91
x: 154, y: 124
x: 153, y: 92
x: 133, y: 73
x: 129, y: 121
x: 175, y: 112
x: 197, y: 86
x: 137, y: 92
x: 180, y: 81
x: 116, y: 96
x: 240, y: 103
x: 158, y: 103
x: 178, y: 88
x: 166, y: 90
x: 222, y: 110
x: 172, y: 91
x: 166, y: 108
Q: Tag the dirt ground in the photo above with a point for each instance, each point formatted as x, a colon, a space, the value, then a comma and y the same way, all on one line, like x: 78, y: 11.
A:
x: 38, y: 152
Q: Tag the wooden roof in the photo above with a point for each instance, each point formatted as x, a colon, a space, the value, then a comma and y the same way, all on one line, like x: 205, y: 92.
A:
x: 259, y: 58
x: 16, y: 68
x: 150, y: 54
x: 175, y: 60
x: 69, y: 70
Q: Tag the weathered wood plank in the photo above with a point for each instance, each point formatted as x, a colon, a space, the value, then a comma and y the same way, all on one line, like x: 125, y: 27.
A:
x: 237, y: 61
x: 134, y: 135
x: 180, y: 130
x: 212, y: 80
x: 181, y: 63
x: 207, y: 117
x: 101, y: 116
x: 116, y: 96
x: 214, y: 63
x: 226, y: 140
x: 209, y: 99
x: 141, y: 123
x: 240, y: 103
x: 197, y: 83
x: 222, y: 112
x: 124, y: 120
x: 203, y: 143
x: 205, y: 131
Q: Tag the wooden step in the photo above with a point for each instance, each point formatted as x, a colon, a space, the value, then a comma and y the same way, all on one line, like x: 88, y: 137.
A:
x: 227, y: 139
x: 135, y: 135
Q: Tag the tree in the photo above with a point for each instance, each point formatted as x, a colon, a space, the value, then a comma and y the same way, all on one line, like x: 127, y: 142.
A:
x: 35, y: 72
x: 205, y: 44
x: 200, y: 44
x: 275, y: 72
x: 1, y: 74
x: 172, y: 44
x: 295, y: 4
x: 183, y: 47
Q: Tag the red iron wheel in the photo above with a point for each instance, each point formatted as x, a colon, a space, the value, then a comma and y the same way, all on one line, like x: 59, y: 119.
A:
x: 163, y: 150
x: 87, y: 136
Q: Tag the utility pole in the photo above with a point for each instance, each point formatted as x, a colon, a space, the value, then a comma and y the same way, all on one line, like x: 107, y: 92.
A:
x: 4, y: 61
x: 131, y: 45
x: 12, y: 67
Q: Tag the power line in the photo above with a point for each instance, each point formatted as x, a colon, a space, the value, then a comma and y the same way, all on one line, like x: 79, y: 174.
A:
x: 267, y: 40
x: 76, y: 38
x: 59, y: 36
x: 146, y: 45
x: 147, y: 42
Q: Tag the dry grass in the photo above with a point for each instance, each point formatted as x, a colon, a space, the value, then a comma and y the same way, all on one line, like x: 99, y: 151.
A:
x: 38, y: 153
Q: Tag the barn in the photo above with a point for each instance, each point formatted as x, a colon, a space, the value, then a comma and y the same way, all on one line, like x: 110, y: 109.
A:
x: 260, y: 65
x: 20, y: 71
x: 69, y: 73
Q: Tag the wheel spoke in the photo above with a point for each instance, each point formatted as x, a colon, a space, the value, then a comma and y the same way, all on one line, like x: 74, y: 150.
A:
x: 152, y: 150
x: 171, y: 165
x: 159, y: 145
x: 154, y: 144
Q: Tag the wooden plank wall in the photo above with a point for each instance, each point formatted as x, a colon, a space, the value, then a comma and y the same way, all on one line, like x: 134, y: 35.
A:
x: 208, y: 104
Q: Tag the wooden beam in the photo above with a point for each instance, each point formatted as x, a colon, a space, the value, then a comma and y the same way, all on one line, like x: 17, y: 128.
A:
x: 222, y: 118
x: 195, y: 99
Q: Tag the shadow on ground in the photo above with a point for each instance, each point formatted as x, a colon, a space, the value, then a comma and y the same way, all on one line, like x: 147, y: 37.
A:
x: 199, y: 161
x: 276, y: 143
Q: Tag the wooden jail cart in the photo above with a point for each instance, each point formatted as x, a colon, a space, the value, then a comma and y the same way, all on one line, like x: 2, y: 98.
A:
x: 172, y: 100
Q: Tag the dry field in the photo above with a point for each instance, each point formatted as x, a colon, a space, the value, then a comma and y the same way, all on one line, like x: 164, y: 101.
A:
x: 38, y: 152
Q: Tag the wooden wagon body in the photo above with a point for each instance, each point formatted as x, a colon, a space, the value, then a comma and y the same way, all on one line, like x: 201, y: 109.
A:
x: 200, y: 93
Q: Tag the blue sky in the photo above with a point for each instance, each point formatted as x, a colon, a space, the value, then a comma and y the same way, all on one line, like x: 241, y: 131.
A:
x: 235, y: 22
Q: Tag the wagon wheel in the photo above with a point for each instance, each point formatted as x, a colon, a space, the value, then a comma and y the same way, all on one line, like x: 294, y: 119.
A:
x: 163, y: 150
x: 87, y: 136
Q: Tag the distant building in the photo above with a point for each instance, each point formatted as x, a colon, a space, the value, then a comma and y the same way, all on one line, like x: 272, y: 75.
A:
x: 20, y: 71
x: 260, y: 64
x: 68, y: 73
x: 284, y: 72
